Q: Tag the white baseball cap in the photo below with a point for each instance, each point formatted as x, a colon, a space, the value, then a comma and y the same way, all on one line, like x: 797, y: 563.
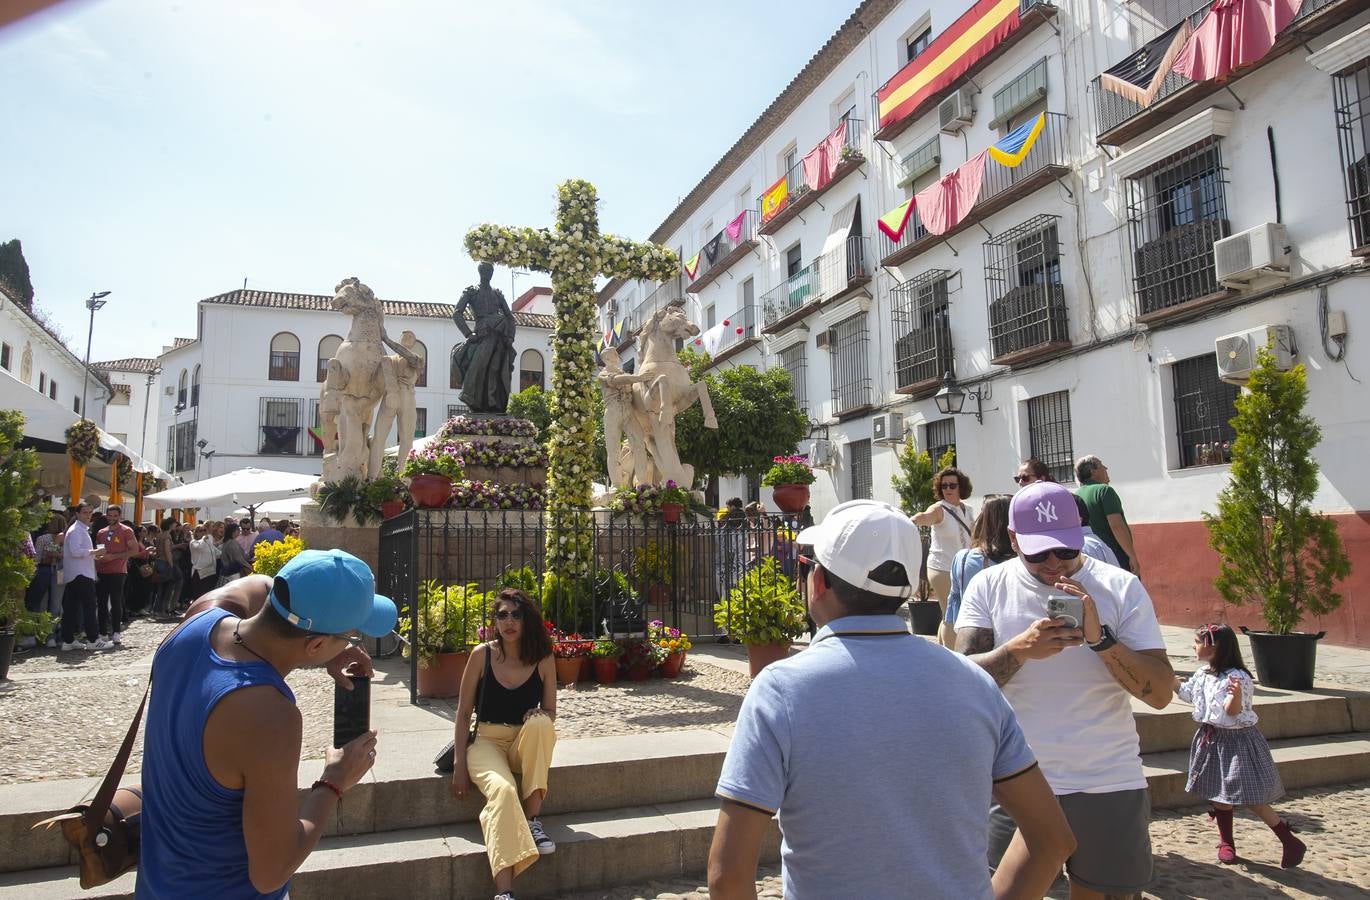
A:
x: 860, y: 536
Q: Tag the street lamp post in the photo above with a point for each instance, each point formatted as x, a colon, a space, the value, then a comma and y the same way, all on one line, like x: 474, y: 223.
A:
x: 95, y: 302
x: 147, y: 399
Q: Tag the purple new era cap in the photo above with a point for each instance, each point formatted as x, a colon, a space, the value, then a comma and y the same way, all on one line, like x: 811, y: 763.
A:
x: 1043, y: 516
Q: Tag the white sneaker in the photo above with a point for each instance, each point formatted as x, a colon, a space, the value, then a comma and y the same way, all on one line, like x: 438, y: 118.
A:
x: 540, y: 838
x: 101, y: 644
x: 116, y: 638
x: 51, y: 644
x: 75, y: 645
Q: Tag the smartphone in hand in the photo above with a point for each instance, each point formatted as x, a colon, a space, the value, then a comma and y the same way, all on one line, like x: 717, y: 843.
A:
x: 1070, y: 609
x: 351, y: 710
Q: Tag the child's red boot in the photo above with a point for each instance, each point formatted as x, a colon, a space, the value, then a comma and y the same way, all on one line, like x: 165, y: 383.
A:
x: 1294, y: 848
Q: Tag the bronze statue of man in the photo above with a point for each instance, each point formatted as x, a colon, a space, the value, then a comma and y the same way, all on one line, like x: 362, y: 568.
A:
x: 484, y: 364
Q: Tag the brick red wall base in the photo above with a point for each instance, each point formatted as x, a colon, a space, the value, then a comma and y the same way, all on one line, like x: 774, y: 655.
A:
x: 1178, y: 568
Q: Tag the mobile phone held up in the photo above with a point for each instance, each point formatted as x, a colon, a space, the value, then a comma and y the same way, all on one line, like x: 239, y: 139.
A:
x: 1070, y: 609
x: 351, y: 710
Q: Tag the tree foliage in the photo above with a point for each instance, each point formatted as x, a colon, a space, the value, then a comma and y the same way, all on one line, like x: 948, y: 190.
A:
x: 533, y: 404
x: 14, y: 273
x: 913, y: 479
x: 1274, y: 549
x: 20, y: 513
x: 757, y: 420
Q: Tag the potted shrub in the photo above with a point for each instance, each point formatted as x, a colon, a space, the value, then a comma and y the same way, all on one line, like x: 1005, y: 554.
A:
x: 790, y: 476
x: 763, y: 612
x: 1274, y: 549
x: 449, y: 621
x: 673, y: 498
x: 674, y: 642
x: 270, y: 558
x: 641, y: 657
x: 605, y: 652
x: 570, y: 651
x: 652, y: 572
x: 431, y: 472
x: 386, y: 494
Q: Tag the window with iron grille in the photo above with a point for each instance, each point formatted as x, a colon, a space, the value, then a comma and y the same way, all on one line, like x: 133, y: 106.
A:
x: 1204, y: 407
x: 793, y: 360
x: 1022, y: 93
x: 939, y: 436
x: 314, y: 440
x: 1049, y: 434
x: 420, y: 422
x: 1351, y: 91
x: 922, y: 329
x: 195, y: 387
x: 1027, y: 304
x: 851, y: 376
x: 860, y: 455
x: 281, y: 422
x: 180, y: 446
x: 1176, y: 210
x: 284, y: 364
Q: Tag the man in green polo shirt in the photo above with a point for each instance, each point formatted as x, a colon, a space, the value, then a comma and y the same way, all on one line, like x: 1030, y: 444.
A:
x: 1106, y: 511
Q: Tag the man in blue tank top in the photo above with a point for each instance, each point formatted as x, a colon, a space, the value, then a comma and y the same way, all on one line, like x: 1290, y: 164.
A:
x: 222, y: 750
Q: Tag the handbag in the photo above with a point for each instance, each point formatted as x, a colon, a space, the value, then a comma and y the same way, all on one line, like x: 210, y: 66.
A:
x: 446, y: 760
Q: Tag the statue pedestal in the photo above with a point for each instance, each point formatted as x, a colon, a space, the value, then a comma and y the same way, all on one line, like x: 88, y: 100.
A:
x: 322, y: 533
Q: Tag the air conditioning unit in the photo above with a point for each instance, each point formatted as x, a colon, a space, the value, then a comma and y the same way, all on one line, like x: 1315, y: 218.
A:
x: 957, y: 111
x: 169, y: 391
x: 1258, y: 253
x: 888, y: 428
x: 1237, y: 352
x: 826, y: 339
x: 613, y: 308
x: 818, y: 451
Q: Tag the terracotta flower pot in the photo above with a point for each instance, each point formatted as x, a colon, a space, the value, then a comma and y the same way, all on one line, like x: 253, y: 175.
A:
x: 606, y: 669
x: 568, y: 670
x: 391, y: 508
x: 759, y: 656
x: 791, y: 498
x: 587, y: 669
x: 430, y: 491
x: 639, y: 672
x: 670, y: 512
x: 672, y: 665
x: 442, y: 676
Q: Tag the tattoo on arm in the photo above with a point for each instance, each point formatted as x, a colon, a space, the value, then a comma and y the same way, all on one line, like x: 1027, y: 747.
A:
x: 978, y: 644
x: 1140, y: 674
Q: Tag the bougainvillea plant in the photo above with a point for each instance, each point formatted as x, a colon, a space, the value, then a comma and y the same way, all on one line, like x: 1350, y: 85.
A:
x: 574, y: 252
x: 788, y: 470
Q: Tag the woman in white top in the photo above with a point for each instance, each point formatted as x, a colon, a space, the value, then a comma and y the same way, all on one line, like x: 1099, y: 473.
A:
x: 950, y: 519
x: 204, y: 563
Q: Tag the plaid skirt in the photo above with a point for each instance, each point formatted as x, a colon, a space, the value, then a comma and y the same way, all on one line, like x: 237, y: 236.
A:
x: 1232, y: 766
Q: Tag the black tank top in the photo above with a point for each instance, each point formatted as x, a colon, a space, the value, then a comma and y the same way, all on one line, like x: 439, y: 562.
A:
x: 504, y: 706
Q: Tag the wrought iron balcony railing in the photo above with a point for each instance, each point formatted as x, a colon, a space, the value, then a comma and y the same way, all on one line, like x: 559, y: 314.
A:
x: 824, y: 278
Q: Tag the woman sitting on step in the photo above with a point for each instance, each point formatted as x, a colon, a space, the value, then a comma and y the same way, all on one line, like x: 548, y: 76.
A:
x: 515, y: 679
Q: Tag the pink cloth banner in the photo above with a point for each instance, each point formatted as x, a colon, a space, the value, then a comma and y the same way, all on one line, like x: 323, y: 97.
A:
x: 1235, y: 33
x: 734, y: 229
x: 943, y: 205
x: 832, y: 147
x: 815, y: 169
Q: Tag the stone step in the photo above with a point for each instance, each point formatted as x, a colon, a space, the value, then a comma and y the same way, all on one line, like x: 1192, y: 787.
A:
x: 594, y: 850
x: 1302, y: 762
x: 1283, y: 714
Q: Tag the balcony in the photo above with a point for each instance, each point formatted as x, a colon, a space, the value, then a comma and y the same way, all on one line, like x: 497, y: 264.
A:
x: 1175, y: 272
x: 728, y: 252
x: 831, y: 277
x: 1120, y: 120
x: 922, y: 333
x: 1002, y: 186
x: 1027, y: 310
x: 799, y: 194
x: 667, y: 292
x: 739, y: 333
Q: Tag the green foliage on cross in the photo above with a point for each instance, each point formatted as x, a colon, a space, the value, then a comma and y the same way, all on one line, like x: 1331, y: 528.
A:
x: 574, y: 253
x: 20, y: 513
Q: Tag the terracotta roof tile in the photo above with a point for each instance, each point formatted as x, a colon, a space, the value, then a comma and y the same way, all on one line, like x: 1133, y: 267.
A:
x: 131, y: 364
x: 321, y: 302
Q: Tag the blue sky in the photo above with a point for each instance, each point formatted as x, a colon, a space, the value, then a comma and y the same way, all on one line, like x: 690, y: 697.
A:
x: 166, y: 151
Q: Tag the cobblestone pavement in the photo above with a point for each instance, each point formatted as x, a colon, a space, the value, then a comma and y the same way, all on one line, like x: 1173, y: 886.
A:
x: 1333, y: 820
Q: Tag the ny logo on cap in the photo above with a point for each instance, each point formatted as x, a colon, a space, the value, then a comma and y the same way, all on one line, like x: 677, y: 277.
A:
x: 1046, y: 511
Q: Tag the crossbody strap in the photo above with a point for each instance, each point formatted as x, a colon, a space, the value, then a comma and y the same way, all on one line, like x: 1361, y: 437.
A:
x: 959, y: 521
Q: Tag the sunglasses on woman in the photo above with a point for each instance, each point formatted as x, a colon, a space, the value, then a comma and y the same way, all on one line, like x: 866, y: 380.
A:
x: 1062, y: 553
x: 948, y: 485
x: 806, y: 564
x: 515, y: 614
x: 1023, y: 479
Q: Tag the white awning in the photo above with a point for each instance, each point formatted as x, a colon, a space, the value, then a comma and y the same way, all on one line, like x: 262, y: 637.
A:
x: 832, y: 262
x: 244, y: 487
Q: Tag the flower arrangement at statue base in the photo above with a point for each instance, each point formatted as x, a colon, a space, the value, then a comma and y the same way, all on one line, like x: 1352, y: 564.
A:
x: 431, y: 472
x: 491, y: 495
x: 666, y: 500
x: 270, y: 558
x: 504, y: 461
x: 499, y: 426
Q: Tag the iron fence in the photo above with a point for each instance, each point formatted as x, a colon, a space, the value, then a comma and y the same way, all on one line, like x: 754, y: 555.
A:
x: 642, y: 569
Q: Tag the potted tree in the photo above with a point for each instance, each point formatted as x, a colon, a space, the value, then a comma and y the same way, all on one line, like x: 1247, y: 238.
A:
x: 673, y: 501
x: 1274, y: 549
x: 431, y: 472
x: 763, y: 612
x: 18, y: 487
x: 790, y: 476
x: 605, y: 653
x: 386, y: 494
x: 449, y: 620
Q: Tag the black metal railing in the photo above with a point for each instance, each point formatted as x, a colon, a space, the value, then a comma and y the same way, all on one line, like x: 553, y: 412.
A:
x: 281, y: 423
x: 913, y: 231
x: 738, y: 327
x: 1204, y: 408
x: 1028, y: 316
x: 851, y: 371
x: 922, y: 329
x: 794, y: 359
x: 1049, y: 437
x: 284, y: 366
x: 1027, y: 306
x: 796, y: 185
x: 726, y: 245
x: 830, y: 274
x: 1352, y: 98
x: 668, y: 292
x: 642, y: 569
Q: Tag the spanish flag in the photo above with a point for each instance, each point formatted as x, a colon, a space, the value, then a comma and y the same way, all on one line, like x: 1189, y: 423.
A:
x: 775, y: 198
x: 692, y: 266
x: 979, y: 30
x: 1013, y: 148
x: 894, y: 221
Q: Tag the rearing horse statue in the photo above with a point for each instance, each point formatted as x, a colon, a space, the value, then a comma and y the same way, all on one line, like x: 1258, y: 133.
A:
x: 354, y: 386
x: 664, y: 391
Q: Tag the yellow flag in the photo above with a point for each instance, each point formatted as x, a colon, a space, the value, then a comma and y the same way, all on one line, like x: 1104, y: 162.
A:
x: 775, y: 198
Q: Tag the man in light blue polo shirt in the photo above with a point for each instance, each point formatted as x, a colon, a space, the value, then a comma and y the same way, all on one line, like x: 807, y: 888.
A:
x: 878, y: 751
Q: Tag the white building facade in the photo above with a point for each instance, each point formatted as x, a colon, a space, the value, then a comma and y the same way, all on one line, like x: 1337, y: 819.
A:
x: 1080, y: 303
x: 131, y: 414
x: 245, y: 391
x: 32, y: 355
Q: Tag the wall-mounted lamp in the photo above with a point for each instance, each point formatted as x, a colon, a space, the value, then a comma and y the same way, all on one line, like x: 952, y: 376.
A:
x: 951, y: 399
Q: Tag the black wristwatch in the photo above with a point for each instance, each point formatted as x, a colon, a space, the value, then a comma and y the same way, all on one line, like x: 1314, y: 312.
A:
x: 1105, y: 641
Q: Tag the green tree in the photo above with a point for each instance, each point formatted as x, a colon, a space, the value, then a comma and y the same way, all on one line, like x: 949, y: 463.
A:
x: 14, y: 273
x: 913, y: 480
x: 757, y: 419
x: 1274, y: 549
x: 534, y: 404
x: 19, y: 514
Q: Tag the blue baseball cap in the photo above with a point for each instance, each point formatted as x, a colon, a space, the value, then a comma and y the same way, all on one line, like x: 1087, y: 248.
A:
x: 332, y: 592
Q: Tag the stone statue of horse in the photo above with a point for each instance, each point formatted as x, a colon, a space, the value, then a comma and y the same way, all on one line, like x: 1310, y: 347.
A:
x: 664, y: 391
x: 354, y: 386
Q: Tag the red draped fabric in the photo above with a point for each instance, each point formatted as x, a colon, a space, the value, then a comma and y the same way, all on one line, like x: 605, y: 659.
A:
x: 943, y: 205
x: 1235, y: 33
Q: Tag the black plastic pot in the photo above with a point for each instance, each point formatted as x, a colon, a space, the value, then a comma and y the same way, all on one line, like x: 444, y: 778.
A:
x: 6, y: 653
x: 926, y: 616
x: 1284, y: 661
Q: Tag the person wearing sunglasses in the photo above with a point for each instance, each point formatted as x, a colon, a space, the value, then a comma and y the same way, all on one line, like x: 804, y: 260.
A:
x: 510, y: 684
x: 949, y: 520
x: 824, y: 739
x: 1071, y: 687
x: 221, y: 755
x: 1032, y: 469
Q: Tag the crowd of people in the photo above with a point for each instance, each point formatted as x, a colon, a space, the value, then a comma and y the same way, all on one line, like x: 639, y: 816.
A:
x: 96, y: 570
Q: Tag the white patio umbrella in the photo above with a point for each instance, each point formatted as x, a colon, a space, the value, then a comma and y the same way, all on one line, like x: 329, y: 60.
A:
x: 244, y: 487
x: 289, y: 507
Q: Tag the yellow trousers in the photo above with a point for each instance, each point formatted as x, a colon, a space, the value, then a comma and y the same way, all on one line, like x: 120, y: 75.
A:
x: 501, y: 752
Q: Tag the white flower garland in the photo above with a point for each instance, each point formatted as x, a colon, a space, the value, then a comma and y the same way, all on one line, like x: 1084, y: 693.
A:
x: 574, y: 253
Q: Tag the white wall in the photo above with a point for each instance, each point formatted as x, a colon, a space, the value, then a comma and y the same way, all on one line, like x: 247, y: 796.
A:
x: 50, y: 359
x: 127, y: 419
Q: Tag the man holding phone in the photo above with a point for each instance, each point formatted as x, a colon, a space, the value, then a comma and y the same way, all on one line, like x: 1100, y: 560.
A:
x: 1070, y: 686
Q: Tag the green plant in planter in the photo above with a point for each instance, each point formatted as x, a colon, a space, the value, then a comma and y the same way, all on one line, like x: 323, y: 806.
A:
x: 34, y: 625
x: 913, y: 480
x: 449, y: 619
x: 18, y: 516
x: 606, y: 648
x: 385, y: 488
x: 1274, y: 549
x: 763, y: 608
x: 347, y: 496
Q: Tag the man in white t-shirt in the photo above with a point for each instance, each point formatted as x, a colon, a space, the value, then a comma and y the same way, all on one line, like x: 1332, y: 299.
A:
x: 1070, y: 687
